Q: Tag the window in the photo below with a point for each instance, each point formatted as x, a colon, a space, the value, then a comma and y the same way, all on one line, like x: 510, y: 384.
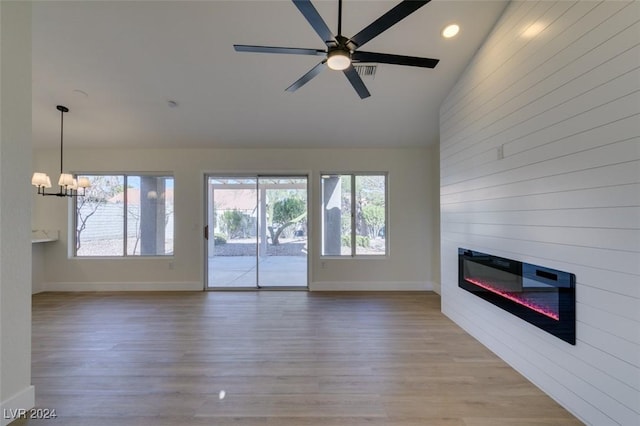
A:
x: 354, y: 214
x: 139, y: 207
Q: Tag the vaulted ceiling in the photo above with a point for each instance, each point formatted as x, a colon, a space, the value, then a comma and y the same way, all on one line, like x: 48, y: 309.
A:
x: 118, y: 65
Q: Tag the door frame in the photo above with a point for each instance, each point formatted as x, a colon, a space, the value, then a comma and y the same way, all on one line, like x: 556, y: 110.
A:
x: 255, y: 175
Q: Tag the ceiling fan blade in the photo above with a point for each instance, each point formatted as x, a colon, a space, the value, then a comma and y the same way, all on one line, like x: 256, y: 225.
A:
x: 314, y: 19
x: 392, y: 17
x: 385, y: 58
x: 273, y: 49
x: 307, y: 77
x: 356, y: 82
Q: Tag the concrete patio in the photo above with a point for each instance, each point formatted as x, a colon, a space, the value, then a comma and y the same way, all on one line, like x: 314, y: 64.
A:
x: 245, y: 271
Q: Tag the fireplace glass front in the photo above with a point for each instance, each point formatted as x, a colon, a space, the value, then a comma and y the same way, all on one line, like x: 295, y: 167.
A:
x: 542, y: 296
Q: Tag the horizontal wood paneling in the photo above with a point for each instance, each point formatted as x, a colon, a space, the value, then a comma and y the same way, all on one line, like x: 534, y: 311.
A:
x: 622, y: 173
x: 540, y: 162
x: 548, y: 73
x: 469, y: 82
x: 609, y: 239
x: 611, y: 154
x: 582, y: 198
x: 540, y: 150
x: 604, y: 217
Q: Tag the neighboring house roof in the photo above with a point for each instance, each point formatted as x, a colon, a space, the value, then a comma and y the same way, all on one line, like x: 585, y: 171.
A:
x: 240, y: 199
x: 133, y: 196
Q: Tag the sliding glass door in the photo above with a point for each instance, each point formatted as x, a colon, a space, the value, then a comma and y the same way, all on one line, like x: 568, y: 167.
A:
x: 256, y: 232
x: 232, y: 232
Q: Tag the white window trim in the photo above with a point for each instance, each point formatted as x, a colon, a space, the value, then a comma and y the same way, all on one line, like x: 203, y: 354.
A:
x: 73, y: 252
x: 353, y: 254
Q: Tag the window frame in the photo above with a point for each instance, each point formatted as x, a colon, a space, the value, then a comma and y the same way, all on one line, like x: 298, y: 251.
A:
x: 74, y: 220
x: 354, y: 255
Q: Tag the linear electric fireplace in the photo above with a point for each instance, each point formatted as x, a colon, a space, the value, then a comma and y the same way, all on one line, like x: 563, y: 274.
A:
x: 542, y: 296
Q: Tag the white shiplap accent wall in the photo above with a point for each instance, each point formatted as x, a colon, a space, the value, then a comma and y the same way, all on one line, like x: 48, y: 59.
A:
x: 540, y: 162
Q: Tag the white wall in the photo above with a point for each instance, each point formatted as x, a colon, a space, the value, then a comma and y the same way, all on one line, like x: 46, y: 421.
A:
x: 412, y: 212
x: 565, y: 107
x: 435, y: 177
x: 37, y: 268
x: 16, y: 391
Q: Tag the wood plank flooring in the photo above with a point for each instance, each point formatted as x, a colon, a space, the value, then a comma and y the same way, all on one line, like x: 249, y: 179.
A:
x: 283, y: 358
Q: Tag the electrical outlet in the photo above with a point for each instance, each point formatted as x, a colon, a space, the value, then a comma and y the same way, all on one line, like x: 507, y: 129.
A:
x: 323, y: 265
x: 171, y: 264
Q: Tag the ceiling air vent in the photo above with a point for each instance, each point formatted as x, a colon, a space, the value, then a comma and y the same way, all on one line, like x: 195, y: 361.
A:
x: 366, y: 70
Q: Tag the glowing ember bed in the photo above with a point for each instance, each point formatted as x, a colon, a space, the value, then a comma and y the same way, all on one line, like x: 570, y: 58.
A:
x: 542, y: 296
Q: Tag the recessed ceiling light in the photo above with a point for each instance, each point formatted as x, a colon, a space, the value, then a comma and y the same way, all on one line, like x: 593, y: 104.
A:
x: 450, y: 31
x: 533, y: 29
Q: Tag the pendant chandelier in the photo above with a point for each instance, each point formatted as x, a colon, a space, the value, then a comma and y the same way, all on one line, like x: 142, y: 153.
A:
x: 67, y: 183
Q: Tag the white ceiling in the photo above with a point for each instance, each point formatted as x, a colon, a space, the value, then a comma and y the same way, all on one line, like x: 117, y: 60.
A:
x: 116, y: 64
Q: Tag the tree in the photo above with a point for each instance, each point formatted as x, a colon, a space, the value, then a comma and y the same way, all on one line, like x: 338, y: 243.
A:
x: 102, y: 189
x: 286, y: 212
x: 370, y: 202
x: 373, y: 215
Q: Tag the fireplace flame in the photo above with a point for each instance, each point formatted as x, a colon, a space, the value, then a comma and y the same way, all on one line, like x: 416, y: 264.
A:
x: 514, y: 298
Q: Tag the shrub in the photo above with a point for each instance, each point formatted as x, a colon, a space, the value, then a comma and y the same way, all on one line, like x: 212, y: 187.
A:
x: 234, y: 223
x: 361, y: 241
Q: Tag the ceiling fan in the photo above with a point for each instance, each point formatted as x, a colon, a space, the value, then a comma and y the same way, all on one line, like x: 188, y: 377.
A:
x: 341, y: 51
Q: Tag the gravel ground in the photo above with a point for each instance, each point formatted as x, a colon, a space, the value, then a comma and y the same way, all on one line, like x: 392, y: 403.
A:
x: 114, y: 247
x: 287, y: 247
x: 239, y: 247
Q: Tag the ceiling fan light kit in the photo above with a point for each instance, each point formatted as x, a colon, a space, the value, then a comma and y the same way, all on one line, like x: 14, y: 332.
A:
x: 338, y: 59
x: 342, y: 52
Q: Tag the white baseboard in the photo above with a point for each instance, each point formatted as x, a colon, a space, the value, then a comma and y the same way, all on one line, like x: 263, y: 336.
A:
x: 11, y: 407
x: 124, y: 286
x: 371, y: 286
x: 197, y: 286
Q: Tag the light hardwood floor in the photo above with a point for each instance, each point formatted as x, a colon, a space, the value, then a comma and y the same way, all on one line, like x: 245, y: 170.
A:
x: 283, y: 358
